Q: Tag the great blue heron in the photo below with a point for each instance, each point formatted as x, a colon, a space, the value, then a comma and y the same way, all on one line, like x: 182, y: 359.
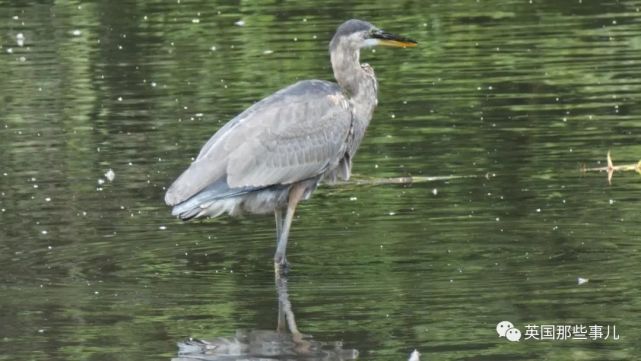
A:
x: 274, y: 154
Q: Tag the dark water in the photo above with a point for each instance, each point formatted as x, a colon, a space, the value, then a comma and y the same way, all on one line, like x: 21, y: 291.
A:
x: 508, y: 98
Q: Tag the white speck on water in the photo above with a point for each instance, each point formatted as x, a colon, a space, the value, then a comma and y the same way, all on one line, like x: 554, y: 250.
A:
x: 267, y: 52
x: 96, y: 292
x: 49, y: 247
x: 119, y: 47
x: 195, y: 21
x: 9, y: 51
x: 20, y: 39
x: 581, y: 280
x: 538, y: 210
x: 498, y: 219
x: 119, y: 99
x: 353, y: 198
x: 213, y: 48
x: 162, y: 228
x: 48, y: 199
x: 76, y: 32
x: 110, y: 175
x: 393, y: 115
x: 435, y: 191
x: 153, y: 84
x: 240, y: 23
x: 15, y: 17
x: 415, y: 356
x: 44, y: 231
x: 392, y: 213
x: 101, y: 181
x: 41, y: 330
x: 611, y: 201
x: 35, y: 186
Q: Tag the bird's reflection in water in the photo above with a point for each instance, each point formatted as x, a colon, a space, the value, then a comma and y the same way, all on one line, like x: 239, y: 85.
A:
x: 285, y: 343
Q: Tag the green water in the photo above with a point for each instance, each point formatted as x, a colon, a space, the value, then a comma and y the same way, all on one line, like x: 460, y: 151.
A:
x: 510, y: 99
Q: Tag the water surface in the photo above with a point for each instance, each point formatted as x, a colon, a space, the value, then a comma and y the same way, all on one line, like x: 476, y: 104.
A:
x: 508, y: 98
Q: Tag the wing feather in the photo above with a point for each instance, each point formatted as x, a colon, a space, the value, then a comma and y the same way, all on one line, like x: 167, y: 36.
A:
x: 294, y: 134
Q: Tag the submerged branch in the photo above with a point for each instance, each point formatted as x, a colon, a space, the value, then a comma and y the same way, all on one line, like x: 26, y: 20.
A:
x: 398, y: 180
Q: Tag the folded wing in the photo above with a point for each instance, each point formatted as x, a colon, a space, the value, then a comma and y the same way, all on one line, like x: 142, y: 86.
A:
x: 297, y: 133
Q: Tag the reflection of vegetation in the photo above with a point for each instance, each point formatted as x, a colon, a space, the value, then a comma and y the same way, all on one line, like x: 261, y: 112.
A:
x: 524, y: 90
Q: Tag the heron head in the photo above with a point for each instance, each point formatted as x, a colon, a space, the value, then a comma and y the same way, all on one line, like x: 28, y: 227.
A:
x: 357, y: 34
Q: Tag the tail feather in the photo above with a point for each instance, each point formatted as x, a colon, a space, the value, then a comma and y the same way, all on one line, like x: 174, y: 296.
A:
x: 212, y: 201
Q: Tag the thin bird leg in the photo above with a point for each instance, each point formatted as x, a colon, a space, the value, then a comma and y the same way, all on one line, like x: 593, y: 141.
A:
x: 295, y: 195
x: 281, y: 287
x: 279, y: 216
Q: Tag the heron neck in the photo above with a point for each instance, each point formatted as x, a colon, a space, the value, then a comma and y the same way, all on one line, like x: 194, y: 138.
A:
x: 348, y: 71
x: 359, y: 82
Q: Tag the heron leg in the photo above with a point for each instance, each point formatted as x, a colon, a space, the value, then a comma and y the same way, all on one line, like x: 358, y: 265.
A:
x: 295, y: 195
x: 279, y: 216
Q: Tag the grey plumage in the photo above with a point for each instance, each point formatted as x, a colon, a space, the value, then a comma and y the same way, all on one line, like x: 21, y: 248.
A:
x: 276, y: 152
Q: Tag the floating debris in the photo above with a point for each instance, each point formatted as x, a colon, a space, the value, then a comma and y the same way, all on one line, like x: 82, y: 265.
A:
x: 110, y: 175
x: 581, y: 280
x: 240, y: 23
x: 611, y: 168
x: 415, y: 356
x: 20, y: 39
